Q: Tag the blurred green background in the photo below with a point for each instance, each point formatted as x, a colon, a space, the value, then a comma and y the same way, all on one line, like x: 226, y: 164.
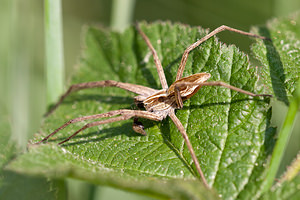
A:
x: 22, y: 51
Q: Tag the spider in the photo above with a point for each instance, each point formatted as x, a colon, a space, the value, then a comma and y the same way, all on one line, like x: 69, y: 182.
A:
x: 158, y: 104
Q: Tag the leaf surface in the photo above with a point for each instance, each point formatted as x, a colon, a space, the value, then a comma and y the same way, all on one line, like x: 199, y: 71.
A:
x: 229, y: 131
x: 289, y: 190
x: 280, y: 58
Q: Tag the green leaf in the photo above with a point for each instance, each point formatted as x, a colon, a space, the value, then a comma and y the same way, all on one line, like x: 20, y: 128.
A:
x: 289, y: 190
x: 7, y: 148
x: 21, y: 186
x: 292, y: 170
x: 229, y: 131
x: 281, y: 56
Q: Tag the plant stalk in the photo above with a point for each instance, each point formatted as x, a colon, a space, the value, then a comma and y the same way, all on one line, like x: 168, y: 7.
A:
x: 54, y: 50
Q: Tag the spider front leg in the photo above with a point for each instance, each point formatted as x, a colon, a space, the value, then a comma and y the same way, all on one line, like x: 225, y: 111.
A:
x: 179, y: 99
x: 159, y: 67
x: 184, y: 90
x: 138, y: 89
x: 211, y: 34
x: 189, y: 145
x: 124, y: 115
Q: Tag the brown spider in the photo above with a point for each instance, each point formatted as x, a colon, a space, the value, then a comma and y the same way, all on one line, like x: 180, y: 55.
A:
x: 158, y: 103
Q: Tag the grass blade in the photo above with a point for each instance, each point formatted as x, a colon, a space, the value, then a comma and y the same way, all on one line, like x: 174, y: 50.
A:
x: 54, y: 49
x: 122, y: 12
x: 283, y: 139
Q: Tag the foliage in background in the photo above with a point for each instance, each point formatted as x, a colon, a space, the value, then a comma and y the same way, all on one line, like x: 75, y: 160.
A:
x: 282, y: 61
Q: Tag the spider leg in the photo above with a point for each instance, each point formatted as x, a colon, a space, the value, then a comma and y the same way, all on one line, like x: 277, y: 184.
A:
x: 125, y: 114
x: 178, y: 124
x: 97, y: 123
x: 178, y: 97
x: 214, y: 83
x: 179, y: 100
x: 214, y: 32
x: 138, y: 89
x: 189, y: 145
x: 159, y: 67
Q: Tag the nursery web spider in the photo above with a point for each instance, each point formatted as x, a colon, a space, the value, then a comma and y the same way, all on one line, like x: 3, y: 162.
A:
x: 158, y: 103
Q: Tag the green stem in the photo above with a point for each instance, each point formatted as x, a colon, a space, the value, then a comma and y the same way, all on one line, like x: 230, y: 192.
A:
x: 283, y: 139
x: 54, y: 50
x: 122, y: 12
x: 19, y: 77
